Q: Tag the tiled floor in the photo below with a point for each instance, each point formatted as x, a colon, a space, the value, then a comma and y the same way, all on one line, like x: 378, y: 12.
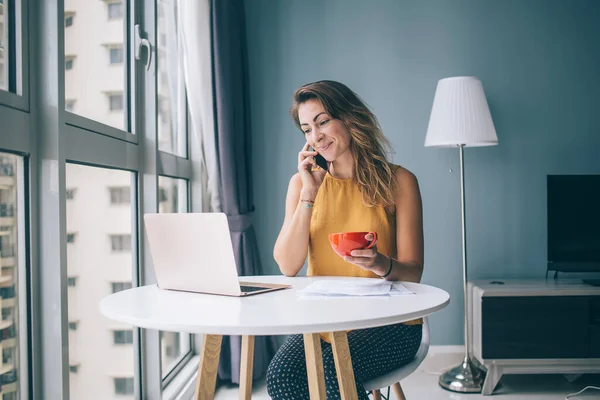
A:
x: 423, y: 384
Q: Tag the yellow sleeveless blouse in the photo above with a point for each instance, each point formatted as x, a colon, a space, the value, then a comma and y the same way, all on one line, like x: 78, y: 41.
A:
x: 339, y: 207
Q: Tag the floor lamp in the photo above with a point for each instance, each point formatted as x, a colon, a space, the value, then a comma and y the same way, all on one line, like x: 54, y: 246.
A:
x: 460, y: 117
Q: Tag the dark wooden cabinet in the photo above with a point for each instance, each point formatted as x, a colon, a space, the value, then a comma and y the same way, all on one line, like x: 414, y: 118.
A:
x: 536, y: 327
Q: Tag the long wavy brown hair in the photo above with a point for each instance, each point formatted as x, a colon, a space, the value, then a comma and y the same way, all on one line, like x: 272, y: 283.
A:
x: 372, y: 172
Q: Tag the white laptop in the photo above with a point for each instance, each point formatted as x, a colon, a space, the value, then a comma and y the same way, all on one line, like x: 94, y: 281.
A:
x: 193, y: 252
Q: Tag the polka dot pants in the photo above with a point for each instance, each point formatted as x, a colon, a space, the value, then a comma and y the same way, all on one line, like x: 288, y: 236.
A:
x: 374, y: 352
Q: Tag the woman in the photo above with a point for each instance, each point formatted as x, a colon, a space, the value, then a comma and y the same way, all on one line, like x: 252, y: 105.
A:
x: 360, y: 191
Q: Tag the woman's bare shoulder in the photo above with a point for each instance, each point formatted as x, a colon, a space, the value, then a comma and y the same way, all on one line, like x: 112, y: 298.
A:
x: 405, y: 180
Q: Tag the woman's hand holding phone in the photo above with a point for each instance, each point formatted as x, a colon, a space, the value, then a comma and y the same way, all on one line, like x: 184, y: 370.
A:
x: 312, y: 177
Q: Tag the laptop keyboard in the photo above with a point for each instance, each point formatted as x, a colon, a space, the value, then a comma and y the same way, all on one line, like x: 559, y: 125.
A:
x: 248, y: 289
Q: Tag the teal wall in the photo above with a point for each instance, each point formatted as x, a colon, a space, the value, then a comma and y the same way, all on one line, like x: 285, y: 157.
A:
x: 539, y: 62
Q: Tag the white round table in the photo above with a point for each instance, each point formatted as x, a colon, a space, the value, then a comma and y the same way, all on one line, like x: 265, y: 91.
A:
x: 280, y: 312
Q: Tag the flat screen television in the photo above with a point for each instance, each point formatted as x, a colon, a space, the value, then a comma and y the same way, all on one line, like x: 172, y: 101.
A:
x: 573, y: 223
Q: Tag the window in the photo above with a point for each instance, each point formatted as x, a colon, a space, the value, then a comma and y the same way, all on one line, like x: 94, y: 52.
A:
x: 101, y: 257
x: 69, y: 60
x: 94, y: 139
x: 123, y: 337
x: 116, y: 55
x: 162, y: 195
x: 175, y: 346
x: 120, y: 243
x: 120, y: 195
x: 69, y: 105
x: 7, y: 313
x: 105, y: 101
x: 8, y: 355
x: 172, y: 106
x: 10, y: 47
x: 13, y: 266
x: 71, y: 237
x: 3, y: 78
x: 115, y: 10
x: 123, y: 385
x: 115, y: 102
x: 70, y: 194
x: 120, y: 286
x: 172, y: 195
x: 7, y: 210
x: 6, y: 166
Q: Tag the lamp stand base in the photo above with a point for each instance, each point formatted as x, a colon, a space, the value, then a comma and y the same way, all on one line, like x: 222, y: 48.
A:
x: 465, y: 378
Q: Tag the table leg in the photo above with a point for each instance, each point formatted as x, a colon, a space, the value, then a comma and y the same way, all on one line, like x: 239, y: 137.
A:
x: 314, y: 366
x: 207, y: 370
x: 246, y: 367
x: 343, y: 365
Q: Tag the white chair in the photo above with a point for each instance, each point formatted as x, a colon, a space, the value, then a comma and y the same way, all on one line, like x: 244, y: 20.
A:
x: 393, y: 378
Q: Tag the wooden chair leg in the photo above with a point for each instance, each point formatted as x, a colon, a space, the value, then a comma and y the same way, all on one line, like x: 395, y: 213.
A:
x: 398, y: 391
x: 376, y: 395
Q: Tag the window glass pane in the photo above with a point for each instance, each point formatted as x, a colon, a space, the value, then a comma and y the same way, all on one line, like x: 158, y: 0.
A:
x: 10, y: 169
x: 173, y: 196
x: 115, y: 10
x: 123, y: 386
x: 101, y: 254
x: 69, y: 18
x: 172, y: 106
x: 116, y: 54
x: 95, y: 71
x: 120, y: 286
x: 120, y: 195
x: 3, y: 45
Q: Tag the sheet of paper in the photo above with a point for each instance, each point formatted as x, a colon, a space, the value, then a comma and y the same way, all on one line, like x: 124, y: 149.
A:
x: 399, y: 289
x: 354, y: 287
x: 350, y: 287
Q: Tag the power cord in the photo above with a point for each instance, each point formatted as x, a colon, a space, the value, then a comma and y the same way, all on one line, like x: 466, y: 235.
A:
x: 438, y: 372
x: 581, y: 391
x: 441, y: 371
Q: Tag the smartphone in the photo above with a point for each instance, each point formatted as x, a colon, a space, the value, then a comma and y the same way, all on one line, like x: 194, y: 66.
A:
x: 320, y: 160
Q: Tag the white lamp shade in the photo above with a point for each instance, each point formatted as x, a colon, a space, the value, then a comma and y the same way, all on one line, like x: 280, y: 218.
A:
x: 460, y: 115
